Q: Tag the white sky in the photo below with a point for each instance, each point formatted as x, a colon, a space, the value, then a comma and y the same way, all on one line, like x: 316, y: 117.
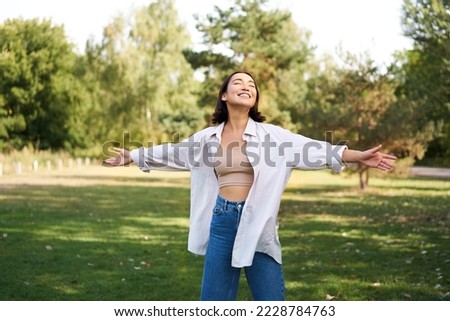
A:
x: 358, y: 25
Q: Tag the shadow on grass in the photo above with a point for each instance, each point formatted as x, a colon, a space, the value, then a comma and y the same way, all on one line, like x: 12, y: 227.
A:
x: 120, y: 179
x: 120, y: 242
x: 96, y: 243
x: 365, y: 247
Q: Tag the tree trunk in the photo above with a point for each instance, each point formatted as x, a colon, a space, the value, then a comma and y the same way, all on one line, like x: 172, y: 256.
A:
x: 363, y: 177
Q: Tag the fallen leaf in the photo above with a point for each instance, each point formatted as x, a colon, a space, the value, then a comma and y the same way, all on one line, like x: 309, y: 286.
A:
x: 330, y: 297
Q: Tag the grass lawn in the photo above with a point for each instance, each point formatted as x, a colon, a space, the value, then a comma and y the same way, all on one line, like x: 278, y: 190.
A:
x: 119, y: 234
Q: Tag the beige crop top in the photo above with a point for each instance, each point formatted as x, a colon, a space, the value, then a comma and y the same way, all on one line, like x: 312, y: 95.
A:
x: 233, y: 168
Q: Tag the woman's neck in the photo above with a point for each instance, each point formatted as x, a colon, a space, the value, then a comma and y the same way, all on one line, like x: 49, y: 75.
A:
x: 237, y: 119
x: 236, y: 124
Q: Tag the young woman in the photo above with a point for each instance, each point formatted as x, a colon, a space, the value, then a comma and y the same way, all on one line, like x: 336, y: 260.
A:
x: 239, y: 169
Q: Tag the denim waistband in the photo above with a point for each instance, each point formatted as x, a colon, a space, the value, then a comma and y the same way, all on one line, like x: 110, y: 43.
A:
x: 227, y: 204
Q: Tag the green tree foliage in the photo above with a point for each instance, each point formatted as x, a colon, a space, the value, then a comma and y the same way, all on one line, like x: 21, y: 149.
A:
x: 39, y: 94
x: 358, y: 102
x: 426, y: 69
x: 352, y: 102
x: 143, y: 84
x: 267, y: 43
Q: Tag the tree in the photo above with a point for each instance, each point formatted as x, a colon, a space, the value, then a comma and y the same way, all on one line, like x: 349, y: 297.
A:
x: 426, y: 68
x: 357, y: 102
x: 38, y: 91
x: 267, y: 43
x: 165, y: 84
x: 360, y: 101
x: 146, y: 87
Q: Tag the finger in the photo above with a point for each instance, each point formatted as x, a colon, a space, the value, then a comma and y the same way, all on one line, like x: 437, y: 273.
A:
x: 375, y: 149
x: 387, y: 167
x: 388, y: 156
x: 108, y: 163
x: 384, y: 166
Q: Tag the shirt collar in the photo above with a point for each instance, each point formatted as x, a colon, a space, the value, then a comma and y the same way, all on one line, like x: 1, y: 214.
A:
x: 218, y: 131
x: 250, y: 129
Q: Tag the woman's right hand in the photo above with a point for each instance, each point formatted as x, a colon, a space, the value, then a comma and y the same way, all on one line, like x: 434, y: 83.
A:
x: 122, y: 158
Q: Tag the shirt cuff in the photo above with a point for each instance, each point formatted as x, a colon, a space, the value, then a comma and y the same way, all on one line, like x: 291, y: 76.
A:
x: 337, y: 163
x: 137, y: 156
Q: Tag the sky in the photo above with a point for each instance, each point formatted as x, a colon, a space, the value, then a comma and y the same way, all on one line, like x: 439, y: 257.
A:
x: 358, y: 26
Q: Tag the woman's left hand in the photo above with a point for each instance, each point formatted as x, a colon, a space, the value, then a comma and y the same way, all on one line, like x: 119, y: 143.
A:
x: 375, y: 159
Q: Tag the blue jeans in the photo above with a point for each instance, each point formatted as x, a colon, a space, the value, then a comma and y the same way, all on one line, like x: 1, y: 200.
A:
x: 221, y: 280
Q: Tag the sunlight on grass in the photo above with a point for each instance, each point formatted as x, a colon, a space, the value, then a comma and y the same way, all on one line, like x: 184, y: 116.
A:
x: 120, y: 234
x: 170, y: 221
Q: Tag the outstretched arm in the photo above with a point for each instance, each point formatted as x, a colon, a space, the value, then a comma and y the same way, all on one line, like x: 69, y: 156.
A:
x: 371, y: 158
x: 122, y: 158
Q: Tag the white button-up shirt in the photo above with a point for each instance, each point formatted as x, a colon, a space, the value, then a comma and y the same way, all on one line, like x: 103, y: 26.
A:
x: 273, y: 152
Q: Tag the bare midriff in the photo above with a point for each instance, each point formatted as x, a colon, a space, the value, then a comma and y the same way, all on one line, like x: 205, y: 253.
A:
x: 235, y: 193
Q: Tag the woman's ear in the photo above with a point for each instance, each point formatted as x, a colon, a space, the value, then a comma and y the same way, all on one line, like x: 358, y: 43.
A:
x: 224, y: 97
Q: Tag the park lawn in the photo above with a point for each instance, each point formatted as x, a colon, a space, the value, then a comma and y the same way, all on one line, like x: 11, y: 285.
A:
x: 118, y: 234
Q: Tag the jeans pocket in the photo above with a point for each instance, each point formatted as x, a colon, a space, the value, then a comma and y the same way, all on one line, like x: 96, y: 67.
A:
x: 217, y: 210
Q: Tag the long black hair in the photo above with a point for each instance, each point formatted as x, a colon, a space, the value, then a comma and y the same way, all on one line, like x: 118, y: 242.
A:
x: 220, y: 114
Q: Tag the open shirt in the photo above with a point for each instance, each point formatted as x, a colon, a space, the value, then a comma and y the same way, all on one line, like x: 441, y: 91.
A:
x: 273, y: 153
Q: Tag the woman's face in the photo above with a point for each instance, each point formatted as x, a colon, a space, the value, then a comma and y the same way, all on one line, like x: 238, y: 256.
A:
x: 241, y: 91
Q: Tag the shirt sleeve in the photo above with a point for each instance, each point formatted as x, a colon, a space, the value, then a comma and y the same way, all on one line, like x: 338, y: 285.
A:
x: 166, y: 157
x: 310, y: 154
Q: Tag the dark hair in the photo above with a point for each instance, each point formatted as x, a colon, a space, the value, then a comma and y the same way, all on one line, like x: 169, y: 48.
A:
x: 220, y: 114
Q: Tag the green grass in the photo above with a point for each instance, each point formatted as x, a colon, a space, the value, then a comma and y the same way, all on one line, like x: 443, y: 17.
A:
x: 119, y: 234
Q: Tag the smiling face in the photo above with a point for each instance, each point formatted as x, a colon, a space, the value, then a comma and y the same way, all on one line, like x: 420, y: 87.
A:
x: 241, y: 91
x: 238, y: 90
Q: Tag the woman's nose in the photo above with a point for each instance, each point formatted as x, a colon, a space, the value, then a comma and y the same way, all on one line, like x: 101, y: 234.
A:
x: 247, y: 87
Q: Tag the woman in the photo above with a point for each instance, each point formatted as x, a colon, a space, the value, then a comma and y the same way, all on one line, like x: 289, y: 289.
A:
x: 239, y: 169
